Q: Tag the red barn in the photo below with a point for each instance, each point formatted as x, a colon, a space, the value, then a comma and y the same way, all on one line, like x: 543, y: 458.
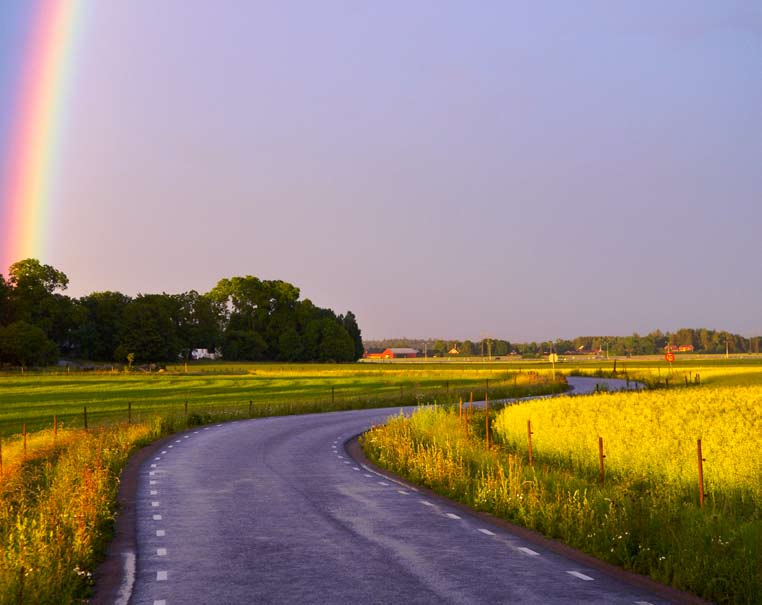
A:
x: 393, y: 353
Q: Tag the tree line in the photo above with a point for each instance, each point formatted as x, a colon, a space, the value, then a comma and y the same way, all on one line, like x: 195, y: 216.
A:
x: 244, y: 317
x: 702, y: 340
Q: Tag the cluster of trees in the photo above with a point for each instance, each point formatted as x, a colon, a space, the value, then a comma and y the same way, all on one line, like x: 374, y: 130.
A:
x: 654, y: 343
x: 247, y: 318
x: 703, y: 341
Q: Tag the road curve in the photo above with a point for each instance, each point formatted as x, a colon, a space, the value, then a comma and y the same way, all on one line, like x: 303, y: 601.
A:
x: 275, y: 510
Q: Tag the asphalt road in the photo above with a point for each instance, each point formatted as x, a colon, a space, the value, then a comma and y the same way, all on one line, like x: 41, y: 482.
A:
x: 276, y: 511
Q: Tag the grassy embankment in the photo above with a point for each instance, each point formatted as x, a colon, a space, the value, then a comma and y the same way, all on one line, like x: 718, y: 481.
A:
x: 645, y: 515
x: 57, y: 495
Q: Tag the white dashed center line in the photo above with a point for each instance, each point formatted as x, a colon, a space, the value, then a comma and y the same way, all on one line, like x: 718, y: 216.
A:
x: 426, y: 502
x: 153, y: 466
x: 154, y: 492
x: 162, y: 552
x: 152, y: 482
x: 161, y: 576
x: 164, y: 451
x: 170, y: 446
x: 531, y: 553
x: 155, y: 503
x: 151, y: 473
x: 367, y: 475
x: 159, y: 602
x: 157, y: 458
x: 452, y: 515
x: 486, y: 532
x: 384, y: 483
x: 157, y: 517
x: 403, y: 492
x: 160, y: 533
x: 579, y: 575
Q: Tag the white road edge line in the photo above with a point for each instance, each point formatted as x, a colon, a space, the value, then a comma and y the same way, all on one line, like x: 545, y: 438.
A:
x: 452, y: 516
x: 579, y: 575
x: 486, y: 532
x: 532, y: 553
x: 125, y: 590
x: 370, y: 470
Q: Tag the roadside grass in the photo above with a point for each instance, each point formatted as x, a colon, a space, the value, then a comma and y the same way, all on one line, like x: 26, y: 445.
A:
x: 58, y: 494
x: 645, y: 516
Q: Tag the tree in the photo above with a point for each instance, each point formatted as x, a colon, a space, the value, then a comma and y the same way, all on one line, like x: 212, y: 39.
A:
x: 98, y: 335
x: 198, y: 322
x: 23, y: 344
x: 32, y: 297
x: 335, y: 343
x: 349, y: 321
x: 148, y: 331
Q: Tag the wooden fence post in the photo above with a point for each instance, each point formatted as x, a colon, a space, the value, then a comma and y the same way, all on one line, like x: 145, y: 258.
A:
x: 486, y: 418
x: 701, y: 461
x: 601, y: 456
x: 529, y: 441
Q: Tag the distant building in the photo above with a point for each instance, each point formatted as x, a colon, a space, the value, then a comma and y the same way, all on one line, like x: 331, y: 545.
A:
x: 679, y: 348
x: 204, y: 354
x: 393, y: 353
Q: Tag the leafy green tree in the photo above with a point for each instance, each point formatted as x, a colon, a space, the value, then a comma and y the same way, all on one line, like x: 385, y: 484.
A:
x: 290, y: 345
x: 198, y: 322
x: 335, y: 343
x: 32, y: 296
x: 5, y: 308
x: 148, y: 330
x: 349, y: 321
x: 98, y: 335
x: 24, y: 344
x: 243, y: 345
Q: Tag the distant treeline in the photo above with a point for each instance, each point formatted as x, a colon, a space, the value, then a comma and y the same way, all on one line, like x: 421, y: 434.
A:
x: 243, y: 317
x: 702, y: 340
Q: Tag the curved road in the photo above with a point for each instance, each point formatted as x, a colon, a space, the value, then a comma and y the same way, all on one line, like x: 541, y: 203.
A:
x: 276, y: 511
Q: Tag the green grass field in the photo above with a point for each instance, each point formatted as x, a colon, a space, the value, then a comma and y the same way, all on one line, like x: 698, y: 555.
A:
x: 34, y: 398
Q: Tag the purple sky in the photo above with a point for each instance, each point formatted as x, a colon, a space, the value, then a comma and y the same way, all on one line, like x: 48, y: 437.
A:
x: 525, y: 170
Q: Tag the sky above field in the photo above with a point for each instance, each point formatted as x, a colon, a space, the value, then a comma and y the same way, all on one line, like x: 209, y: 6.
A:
x: 445, y: 169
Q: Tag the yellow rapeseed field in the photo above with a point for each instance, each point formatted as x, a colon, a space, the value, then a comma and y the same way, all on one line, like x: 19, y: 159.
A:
x: 650, y: 436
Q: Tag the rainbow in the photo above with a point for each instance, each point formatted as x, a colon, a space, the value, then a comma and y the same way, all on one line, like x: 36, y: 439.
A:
x: 34, y: 104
